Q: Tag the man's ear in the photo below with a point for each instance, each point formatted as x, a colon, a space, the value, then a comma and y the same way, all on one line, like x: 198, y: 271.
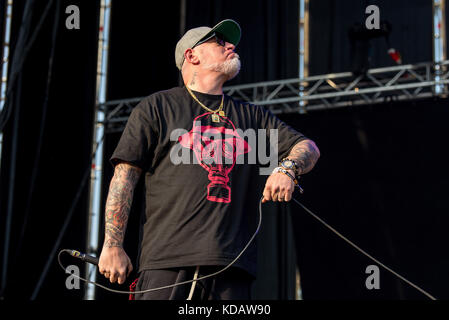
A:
x: 191, y: 56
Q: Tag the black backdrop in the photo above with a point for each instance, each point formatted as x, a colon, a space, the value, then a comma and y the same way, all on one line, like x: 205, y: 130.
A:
x: 40, y: 208
x: 381, y: 179
x: 411, y: 33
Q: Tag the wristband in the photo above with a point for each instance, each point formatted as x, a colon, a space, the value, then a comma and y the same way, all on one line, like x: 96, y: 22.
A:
x: 279, y: 169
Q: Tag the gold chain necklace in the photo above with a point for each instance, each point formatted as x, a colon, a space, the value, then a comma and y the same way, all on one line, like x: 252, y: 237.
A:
x: 215, y: 116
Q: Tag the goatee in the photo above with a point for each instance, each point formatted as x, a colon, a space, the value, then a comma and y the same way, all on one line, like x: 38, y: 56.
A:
x: 229, y: 67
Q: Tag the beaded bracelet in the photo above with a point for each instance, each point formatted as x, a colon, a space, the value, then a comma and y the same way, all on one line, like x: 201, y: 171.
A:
x: 279, y: 169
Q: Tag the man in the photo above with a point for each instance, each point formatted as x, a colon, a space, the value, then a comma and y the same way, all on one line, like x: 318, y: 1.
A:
x: 198, y: 215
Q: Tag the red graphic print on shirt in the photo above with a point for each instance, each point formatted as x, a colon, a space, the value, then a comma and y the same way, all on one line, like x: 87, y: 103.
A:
x: 216, y: 146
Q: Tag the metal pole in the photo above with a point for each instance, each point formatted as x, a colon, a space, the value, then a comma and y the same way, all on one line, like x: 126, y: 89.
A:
x: 182, y: 29
x: 439, y: 42
x: 97, y: 148
x: 303, y: 49
x: 302, y: 73
x: 5, y: 60
x: 12, y: 183
x: 182, y: 20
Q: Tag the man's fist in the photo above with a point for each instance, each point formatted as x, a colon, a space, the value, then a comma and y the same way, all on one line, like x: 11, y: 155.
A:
x: 115, y: 264
x: 279, y: 187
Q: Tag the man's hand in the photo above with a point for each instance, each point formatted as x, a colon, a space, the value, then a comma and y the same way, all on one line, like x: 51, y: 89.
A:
x: 115, y: 264
x: 279, y: 187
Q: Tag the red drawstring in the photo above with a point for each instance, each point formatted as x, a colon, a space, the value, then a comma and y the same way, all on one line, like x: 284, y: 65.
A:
x: 132, y: 288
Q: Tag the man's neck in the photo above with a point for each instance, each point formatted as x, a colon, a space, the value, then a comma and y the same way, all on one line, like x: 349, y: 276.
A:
x: 211, y: 83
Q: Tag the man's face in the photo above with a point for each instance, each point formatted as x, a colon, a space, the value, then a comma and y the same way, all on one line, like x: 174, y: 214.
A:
x: 219, y: 56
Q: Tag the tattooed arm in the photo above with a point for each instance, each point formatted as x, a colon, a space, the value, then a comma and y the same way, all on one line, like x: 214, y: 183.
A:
x: 114, y: 262
x: 118, y: 203
x: 279, y: 187
x: 305, y: 154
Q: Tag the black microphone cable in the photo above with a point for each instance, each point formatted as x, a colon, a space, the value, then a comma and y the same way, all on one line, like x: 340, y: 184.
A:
x: 363, y: 252
x: 95, y: 260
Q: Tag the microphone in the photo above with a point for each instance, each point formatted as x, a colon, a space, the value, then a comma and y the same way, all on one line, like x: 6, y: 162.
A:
x: 83, y: 256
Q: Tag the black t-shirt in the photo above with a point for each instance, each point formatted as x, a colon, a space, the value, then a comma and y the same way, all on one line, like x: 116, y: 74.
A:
x: 200, y: 204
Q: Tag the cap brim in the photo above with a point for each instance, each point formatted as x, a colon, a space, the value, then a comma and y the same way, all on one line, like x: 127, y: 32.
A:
x: 228, y: 29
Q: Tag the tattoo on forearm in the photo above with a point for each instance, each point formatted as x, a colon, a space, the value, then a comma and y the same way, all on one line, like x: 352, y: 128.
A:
x: 118, y: 203
x: 306, y: 154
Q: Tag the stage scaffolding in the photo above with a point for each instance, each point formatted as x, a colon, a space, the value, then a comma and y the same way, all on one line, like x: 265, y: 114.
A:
x: 321, y: 92
x: 298, y: 95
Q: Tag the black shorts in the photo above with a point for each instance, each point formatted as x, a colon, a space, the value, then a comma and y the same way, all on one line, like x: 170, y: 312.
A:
x: 232, y: 284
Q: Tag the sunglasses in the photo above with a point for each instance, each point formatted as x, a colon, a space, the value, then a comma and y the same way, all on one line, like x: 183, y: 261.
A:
x: 218, y: 39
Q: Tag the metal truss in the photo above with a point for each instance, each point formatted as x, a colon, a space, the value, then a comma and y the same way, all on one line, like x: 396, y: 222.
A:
x: 344, y: 89
x: 402, y: 82
x: 117, y: 113
x: 298, y: 95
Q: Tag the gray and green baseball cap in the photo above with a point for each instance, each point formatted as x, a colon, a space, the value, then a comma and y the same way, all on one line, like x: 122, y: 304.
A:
x: 228, y: 29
